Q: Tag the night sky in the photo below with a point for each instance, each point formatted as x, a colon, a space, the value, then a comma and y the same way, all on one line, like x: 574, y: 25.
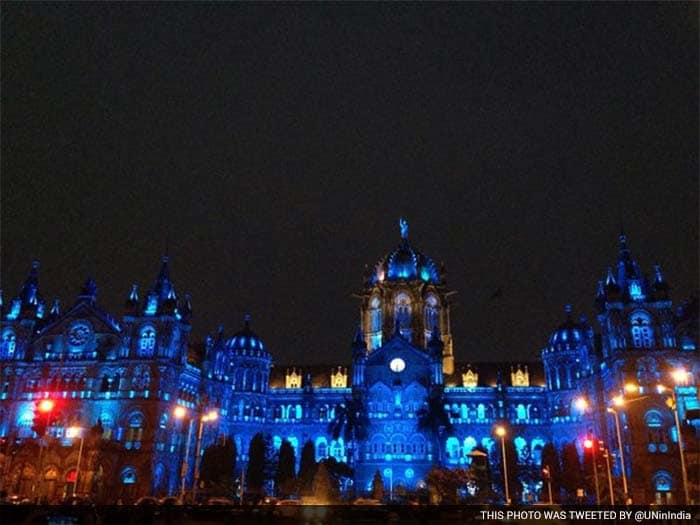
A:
x: 271, y: 149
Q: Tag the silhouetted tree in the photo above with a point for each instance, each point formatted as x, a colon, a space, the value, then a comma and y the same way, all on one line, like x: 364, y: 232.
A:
x: 377, y: 486
x: 307, y: 468
x: 550, y: 459
x: 571, y: 478
x: 217, y: 467
x: 255, y: 474
x: 284, y: 477
x: 324, y: 487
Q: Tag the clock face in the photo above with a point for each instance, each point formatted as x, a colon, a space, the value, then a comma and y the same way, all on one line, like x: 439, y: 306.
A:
x: 78, y: 335
x: 397, y: 365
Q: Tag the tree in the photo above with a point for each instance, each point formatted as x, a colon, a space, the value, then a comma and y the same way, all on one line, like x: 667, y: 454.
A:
x: 571, y: 469
x: 339, y: 471
x: 448, y: 483
x: 284, y: 477
x: 307, y: 468
x: 271, y: 460
x: 550, y: 461
x: 377, y: 486
x: 255, y: 474
x: 324, y: 487
x: 217, y: 467
x: 433, y: 419
x: 351, y: 423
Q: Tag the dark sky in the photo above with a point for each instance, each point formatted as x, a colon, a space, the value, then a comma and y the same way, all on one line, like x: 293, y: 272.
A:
x: 276, y: 147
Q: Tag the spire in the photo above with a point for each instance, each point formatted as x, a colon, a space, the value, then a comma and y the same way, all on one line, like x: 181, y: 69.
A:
x: 610, y: 278
x: 246, y: 321
x: 403, y: 226
x: 134, y: 294
x: 600, y: 292
x: 56, y: 308
x: 359, y: 346
x: 658, y: 276
x: 186, y: 307
x: 162, y: 285
x: 0, y: 299
x: 28, y: 293
x: 88, y: 292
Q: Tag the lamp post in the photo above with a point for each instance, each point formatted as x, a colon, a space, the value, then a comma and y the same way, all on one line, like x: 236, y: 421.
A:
x: 209, y: 416
x: 679, y: 376
x: 618, y: 402
x: 501, y: 432
x: 45, y: 406
x: 72, y: 432
x: 606, y: 455
x: 588, y: 444
x: 180, y: 413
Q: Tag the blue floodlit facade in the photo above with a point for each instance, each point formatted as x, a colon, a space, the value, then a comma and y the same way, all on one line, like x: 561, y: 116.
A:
x: 129, y: 374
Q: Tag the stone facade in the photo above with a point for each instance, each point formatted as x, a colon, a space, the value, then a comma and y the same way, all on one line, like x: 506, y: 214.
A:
x: 123, y: 378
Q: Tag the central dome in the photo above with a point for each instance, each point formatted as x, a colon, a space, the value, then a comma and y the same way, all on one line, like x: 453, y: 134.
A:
x: 405, y: 263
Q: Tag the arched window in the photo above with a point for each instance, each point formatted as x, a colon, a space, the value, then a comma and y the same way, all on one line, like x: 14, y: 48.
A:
x: 642, y: 332
x: 375, y: 323
x: 134, y: 433
x: 8, y: 344
x: 432, y: 316
x: 147, y: 341
x: 402, y: 314
x: 321, y: 450
x: 521, y: 412
x: 480, y: 411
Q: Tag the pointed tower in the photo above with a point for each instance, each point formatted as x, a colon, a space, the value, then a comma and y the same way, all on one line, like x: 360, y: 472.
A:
x: 359, y: 356
x: 408, y: 294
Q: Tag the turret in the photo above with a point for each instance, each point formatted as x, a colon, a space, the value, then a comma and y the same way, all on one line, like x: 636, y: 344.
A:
x: 359, y: 356
x: 435, y: 351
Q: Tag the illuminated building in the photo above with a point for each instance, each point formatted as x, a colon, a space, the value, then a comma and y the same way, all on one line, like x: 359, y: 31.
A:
x: 124, y: 378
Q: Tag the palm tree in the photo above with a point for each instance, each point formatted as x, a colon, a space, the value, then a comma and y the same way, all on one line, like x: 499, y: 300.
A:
x: 434, y: 420
x: 351, y: 423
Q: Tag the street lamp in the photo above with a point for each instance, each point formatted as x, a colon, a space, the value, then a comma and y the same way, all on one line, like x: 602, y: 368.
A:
x: 679, y: 376
x: 618, y: 402
x: 180, y: 412
x: 501, y: 432
x: 205, y: 418
x: 72, y: 432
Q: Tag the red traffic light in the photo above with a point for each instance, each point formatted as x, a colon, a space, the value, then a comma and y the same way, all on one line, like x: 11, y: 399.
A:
x: 46, y: 405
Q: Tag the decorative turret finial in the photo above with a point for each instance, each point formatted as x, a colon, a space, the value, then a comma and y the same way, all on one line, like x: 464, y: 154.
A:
x: 0, y: 298
x: 600, y: 292
x: 246, y: 320
x: 134, y: 294
x: 403, y: 225
x: 658, y: 276
x: 567, y: 309
x: 56, y: 308
x: 610, y: 278
x: 359, y: 336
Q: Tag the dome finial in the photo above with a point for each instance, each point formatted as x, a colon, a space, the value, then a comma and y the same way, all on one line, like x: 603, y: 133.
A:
x: 403, y: 225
